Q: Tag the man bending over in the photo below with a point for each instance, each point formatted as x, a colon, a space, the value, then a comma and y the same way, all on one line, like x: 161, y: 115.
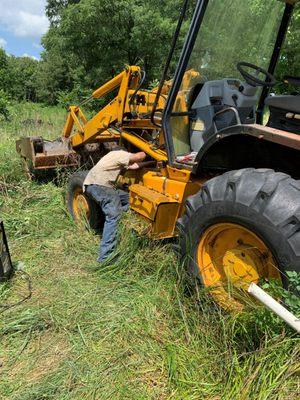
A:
x: 100, y: 186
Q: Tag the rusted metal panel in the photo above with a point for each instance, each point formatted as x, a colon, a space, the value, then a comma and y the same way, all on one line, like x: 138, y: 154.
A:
x: 25, y: 147
x: 47, y: 154
x: 278, y: 136
x: 53, y: 161
x: 261, y: 132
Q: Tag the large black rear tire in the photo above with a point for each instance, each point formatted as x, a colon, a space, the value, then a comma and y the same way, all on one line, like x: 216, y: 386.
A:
x: 260, y: 201
x: 90, y: 210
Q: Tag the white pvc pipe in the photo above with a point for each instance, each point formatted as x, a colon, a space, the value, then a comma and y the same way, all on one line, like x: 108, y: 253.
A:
x: 274, y: 306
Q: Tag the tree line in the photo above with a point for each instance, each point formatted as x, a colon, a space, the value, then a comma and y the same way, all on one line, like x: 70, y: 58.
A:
x: 89, y: 41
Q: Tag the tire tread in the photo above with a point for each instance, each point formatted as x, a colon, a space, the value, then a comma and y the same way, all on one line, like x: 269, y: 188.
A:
x: 273, y: 196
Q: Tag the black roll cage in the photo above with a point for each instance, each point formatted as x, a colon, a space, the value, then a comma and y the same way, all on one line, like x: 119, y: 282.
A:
x: 196, y: 23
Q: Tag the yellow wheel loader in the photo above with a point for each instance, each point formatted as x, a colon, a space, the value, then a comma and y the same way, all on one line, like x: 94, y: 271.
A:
x: 218, y: 175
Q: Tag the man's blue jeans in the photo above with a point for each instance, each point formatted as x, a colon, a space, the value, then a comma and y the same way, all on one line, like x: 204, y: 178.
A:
x: 113, y: 203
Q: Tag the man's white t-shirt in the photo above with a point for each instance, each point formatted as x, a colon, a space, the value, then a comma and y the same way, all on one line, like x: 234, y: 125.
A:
x: 106, y: 171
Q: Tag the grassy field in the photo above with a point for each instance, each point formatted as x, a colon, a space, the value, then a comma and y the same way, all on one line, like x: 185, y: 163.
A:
x: 129, y: 331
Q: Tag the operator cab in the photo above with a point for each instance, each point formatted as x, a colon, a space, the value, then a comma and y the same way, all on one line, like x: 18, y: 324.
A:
x: 223, y: 76
x: 226, y: 102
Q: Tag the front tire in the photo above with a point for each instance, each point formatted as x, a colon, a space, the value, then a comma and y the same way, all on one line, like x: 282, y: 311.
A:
x: 242, y: 227
x: 82, y: 207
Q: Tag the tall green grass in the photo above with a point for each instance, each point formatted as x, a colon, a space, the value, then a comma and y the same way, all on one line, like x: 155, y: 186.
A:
x: 130, y: 330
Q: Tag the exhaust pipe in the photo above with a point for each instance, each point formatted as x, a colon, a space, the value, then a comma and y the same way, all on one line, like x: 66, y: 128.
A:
x: 274, y: 306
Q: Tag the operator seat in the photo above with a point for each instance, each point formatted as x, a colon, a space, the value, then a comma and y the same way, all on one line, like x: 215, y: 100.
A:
x: 288, y: 103
x: 284, y: 112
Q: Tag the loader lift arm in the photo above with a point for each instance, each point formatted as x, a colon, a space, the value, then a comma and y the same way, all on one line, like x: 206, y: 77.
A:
x: 125, y: 117
x: 87, y: 131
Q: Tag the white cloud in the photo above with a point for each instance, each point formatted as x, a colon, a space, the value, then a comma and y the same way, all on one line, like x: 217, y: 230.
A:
x: 24, y: 18
x: 29, y: 56
x: 37, y: 46
x: 3, y: 43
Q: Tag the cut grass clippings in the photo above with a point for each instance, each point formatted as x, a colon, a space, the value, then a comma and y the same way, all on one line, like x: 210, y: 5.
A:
x: 130, y: 330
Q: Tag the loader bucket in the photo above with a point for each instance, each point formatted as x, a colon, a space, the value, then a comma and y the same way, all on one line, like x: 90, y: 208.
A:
x: 39, y: 154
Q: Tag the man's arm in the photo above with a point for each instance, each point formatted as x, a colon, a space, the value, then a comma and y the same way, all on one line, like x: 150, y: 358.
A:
x: 133, y: 166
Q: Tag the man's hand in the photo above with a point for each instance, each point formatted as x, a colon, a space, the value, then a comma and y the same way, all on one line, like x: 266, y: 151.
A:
x: 133, y: 166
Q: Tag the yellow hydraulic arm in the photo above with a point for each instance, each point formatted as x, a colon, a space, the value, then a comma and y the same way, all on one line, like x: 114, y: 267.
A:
x: 88, y: 131
x: 124, y: 116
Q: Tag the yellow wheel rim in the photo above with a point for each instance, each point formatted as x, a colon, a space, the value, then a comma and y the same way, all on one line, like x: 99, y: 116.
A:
x: 80, y: 205
x: 229, y: 258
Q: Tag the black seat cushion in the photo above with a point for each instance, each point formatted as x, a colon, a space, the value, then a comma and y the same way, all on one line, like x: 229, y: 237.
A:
x: 292, y: 80
x: 285, y: 102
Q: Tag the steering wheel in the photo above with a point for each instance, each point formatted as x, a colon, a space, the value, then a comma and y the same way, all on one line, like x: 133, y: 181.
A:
x: 253, y: 80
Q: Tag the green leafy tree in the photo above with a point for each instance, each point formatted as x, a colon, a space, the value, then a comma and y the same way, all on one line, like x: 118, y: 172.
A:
x: 51, y: 77
x: 17, y: 77
x: 54, y: 9
x: 4, y: 103
x: 289, y: 63
x: 21, y: 77
x: 89, y: 41
x: 4, y: 70
x: 92, y: 40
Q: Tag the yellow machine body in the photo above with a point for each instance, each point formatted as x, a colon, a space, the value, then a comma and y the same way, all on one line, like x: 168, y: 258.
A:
x: 156, y: 195
x: 159, y: 198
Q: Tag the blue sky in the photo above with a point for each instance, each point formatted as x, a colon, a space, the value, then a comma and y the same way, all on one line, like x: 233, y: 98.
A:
x: 22, y: 24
